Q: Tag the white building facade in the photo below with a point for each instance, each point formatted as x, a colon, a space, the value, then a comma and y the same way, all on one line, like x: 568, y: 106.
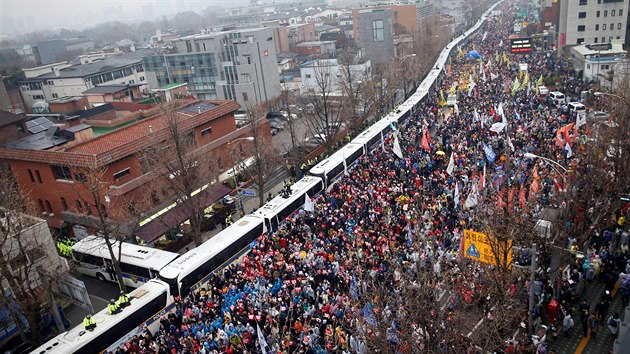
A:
x: 327, y: 73
x: 591, y: 21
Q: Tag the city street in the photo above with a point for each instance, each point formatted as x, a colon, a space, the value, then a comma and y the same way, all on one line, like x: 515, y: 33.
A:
x: 100, y: 294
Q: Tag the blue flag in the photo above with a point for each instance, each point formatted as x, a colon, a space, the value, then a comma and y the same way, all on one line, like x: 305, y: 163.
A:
x: 353, y: 288
x: 490, y: 155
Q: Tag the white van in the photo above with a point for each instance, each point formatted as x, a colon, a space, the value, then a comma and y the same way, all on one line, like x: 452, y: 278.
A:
x: 577, y: 108
x: 558, y: 98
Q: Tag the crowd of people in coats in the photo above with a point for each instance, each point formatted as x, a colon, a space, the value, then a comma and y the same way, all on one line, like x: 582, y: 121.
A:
x: 403, y: 207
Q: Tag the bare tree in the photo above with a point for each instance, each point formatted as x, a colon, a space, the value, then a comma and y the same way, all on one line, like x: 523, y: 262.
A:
x: 182, y: 169
x: 353, y: 79
x: 266, y: 160
x: 327, y: 102
x: 29, y: 264
x: 288, y: 100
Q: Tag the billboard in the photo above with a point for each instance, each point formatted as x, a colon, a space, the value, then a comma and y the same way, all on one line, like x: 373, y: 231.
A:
x: 520, y: 45
x: 479, y: 247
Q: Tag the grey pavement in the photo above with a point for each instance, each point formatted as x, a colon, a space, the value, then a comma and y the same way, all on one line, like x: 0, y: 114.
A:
x: 603, y: 342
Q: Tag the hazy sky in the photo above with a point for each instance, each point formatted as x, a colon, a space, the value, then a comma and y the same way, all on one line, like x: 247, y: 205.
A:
x: 26, y: 15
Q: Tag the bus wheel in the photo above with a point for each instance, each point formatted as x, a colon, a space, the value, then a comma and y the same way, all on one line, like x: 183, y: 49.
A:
x: 100, y: 277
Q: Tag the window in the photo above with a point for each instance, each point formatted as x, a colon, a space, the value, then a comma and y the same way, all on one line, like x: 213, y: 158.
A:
x: 609, y: 39
x: 30, y: 175
x: 605, y: 13
x: 50, y: 82
x: 604, y: 26
x: 603, y: 39
x: 596, y: 27
x: 38, y: 97
x: 620, y: 12
x: 206, y: 131
x: 583, y: 2
x: 308, y: 76
x: 597, y: 14
x: 39, y: 177
x: 122, y: 173
x: 596, y: 40
x: 588, y: 66
x: 619, y: 25
x: 141, y: 78
x: 49, y: 207
x: 244, y: 96
x: 378, y: 29
x: 19, y: 127
x: 580, y: 40
x: 64, y: 205
x: 80, y: 177
x: 54, y: 95
x: 582, y: 15
x: 581, y: 28
x: 61, y: 172
x: 605, y: 67
x: 612, y: 26
x: 612, y: 12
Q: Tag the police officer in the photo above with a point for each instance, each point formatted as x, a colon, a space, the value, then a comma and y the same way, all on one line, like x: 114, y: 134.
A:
x: 113, y: 307
x: 88, y: 323
x: 228, y: 220
x: 123, y: 300
x: 303, y: 169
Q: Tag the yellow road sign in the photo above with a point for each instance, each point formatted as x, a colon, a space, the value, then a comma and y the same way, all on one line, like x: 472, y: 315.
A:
x: 483, y: 248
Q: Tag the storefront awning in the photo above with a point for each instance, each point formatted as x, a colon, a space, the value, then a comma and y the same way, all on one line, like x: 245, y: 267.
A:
x: 180, y: 213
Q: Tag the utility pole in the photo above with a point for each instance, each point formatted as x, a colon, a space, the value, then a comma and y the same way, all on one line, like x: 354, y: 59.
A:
x: 532, y: 279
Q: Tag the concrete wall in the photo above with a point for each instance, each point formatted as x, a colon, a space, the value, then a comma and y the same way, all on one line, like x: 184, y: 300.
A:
x: 378, y: 52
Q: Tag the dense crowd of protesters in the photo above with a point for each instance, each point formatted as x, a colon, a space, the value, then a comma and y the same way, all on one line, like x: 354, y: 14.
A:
x: 298, y: 289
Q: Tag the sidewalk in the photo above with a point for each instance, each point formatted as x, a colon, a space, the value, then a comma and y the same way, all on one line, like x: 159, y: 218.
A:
x: 575, y: 342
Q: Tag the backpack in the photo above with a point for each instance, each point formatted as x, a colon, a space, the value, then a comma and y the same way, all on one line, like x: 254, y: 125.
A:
x: 612, y: 322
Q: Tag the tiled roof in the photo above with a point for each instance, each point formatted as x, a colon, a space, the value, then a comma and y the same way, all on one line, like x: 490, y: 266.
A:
x: 119, y: 143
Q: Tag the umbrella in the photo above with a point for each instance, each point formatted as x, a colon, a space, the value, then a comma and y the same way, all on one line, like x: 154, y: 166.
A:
x: 440, y: 152
x: 473, y: 54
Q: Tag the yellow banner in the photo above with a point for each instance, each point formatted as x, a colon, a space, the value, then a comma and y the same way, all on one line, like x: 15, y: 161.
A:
x: 480, y: 247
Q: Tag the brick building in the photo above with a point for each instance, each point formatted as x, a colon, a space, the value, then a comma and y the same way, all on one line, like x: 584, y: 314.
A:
x: 12, y: 127
x: 49, y: 166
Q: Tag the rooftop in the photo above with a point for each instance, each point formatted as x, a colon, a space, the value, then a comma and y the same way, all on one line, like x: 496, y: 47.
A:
x: 97, y: 90
x: 98, y: 66
x: 169, y: 86
x: 306, y: 44
x: 8, y: 118
x: 601, y: 49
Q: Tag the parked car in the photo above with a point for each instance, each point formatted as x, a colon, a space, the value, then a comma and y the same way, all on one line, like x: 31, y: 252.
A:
x: 274, y: 124
x: 599, y: 116
x: 315, y: 140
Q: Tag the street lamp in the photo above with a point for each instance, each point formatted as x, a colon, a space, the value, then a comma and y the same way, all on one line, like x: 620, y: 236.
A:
x: 600, y: 94
x: 529, y: 155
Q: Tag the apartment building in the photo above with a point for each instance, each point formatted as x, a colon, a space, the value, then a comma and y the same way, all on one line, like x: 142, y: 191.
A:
x: 63, y: 79
x: 239, y: 65
x: 591, y: 21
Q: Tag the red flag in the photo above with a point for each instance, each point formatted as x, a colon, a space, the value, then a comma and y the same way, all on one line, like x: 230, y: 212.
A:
x: 521, y: 197
x: 428, y: 136
x: 425, y: 143
x: 534, y: 188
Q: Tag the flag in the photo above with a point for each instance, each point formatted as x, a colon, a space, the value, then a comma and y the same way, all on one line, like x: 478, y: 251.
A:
x: 521, y: 197
x: 534, y: 187
x: 391, y: 125
x: 442, y: 96
x: 460, y: 52
x: 480, y: 66
x: 501, y: 43
x: 451, y: 165
x: 397, y: 149
x: 473, y: 197
x: 456, y: 109
x: 456, y: 194
x: 264, y: 347
x: 493, y: 76
x: 483, y: 185
x: 308, y: 203
x: 369, y: 315
x: 353, y: 288
x: 485, y: 35
x: 475, y: 116
x: 471, y: 87
x: 540, y: 81
x: 529, y: 88
x: 484, y: 76
x: 425, y: 142
x: 497, y: 127
x: 567, y: 150
x: 516, y: 115
x: 490, y: 155
x: 510, y: 144
x: 501, y: 112
x: 580, y: 120
x: 516, y: 86
x: 526, y: 79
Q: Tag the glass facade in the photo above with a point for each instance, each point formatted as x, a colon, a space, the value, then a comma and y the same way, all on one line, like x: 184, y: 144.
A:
x: 196, y: 69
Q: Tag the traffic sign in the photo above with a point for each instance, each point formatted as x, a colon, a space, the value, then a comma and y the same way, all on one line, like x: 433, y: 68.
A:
x: 483, y: 248
x: 247, y: 192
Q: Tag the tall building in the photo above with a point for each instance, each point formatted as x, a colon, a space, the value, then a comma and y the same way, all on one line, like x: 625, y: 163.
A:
x: 239, y: 65
x: 403, y: 18
x: 591, y: 21
x: 376, y: 34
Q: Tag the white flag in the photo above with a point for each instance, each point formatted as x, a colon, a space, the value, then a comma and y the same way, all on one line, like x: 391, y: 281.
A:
x: 451, y: 165
x: 473, y: 197
x: 476, y: 116
x: 483, y: 182
x: 308, y: 203
x: 480, y: 66
x: 485, y: 35
x: 510, y: 144
x: 264, y: 347
x: 471, y: 87
x: 497, y: 127
x: 456, y: 109
x: 493, y: 76
x: 456, y: 194
x: 397, y: 149
x: 580, y: 119
x: 501, y: 43
x: 484, y: 76
x: 501, y: 112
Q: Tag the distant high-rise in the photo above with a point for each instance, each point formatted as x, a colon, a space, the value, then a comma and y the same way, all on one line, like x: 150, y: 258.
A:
x: 591, y: 21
